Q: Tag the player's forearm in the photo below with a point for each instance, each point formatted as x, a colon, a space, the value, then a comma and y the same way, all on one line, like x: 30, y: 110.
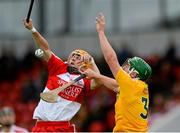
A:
x: 107, y: 50
x: 40, y: 41
x: 107, y: 82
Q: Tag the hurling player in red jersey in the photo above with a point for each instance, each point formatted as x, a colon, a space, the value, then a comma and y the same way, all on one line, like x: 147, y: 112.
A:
x: 55, y: 117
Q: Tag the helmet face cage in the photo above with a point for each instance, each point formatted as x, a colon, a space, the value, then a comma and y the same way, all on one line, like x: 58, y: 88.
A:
x: 76, y: 58
x: 126, y: 66
x: 129, y: 69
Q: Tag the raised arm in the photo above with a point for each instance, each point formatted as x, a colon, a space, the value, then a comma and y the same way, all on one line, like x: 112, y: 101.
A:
x: 102, y: 80
x: 39, y: 39
x: 107, y: 50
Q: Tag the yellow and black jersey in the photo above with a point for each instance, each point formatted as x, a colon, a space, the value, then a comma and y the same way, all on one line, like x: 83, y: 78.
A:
x: 131, y: 108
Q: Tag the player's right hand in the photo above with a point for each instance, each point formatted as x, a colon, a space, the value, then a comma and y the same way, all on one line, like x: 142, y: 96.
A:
x: 89, y: 73
x: 100, y: 23
x: 28, y: 25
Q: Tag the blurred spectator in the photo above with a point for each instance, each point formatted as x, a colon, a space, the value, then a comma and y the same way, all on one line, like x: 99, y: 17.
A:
x: 7, y: 121
x: 9, y: 65
x: 30, y: 91
x: 124, y: 53
x: 175, y: 97
x: 159, y: 104
x: 171, y: 51
x: 97, y: 126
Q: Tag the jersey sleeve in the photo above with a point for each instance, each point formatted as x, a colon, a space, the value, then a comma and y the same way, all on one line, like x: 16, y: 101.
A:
x: 125, y: 82
x: 56, y: 65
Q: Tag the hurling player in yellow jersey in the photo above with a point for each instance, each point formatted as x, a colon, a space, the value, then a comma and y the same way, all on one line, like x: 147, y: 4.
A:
x: 131, y: 108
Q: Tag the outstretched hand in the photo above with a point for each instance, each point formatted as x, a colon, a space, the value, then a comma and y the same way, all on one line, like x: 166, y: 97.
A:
x: 89, y: 73
x: 28, y: 25
x: 100, y: 23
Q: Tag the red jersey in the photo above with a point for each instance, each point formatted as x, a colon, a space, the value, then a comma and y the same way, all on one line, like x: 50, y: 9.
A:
x: 69, y: 100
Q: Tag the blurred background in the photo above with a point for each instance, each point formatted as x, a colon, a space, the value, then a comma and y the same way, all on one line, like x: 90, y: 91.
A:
x: 146, y: 28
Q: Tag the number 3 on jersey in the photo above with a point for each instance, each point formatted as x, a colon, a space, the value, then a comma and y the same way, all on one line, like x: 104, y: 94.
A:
x: 145, y: 102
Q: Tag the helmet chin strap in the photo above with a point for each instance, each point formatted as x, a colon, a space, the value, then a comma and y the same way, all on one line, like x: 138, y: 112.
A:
x: 72, y: 70
x: 137, y: 78
x: 133, y: 70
